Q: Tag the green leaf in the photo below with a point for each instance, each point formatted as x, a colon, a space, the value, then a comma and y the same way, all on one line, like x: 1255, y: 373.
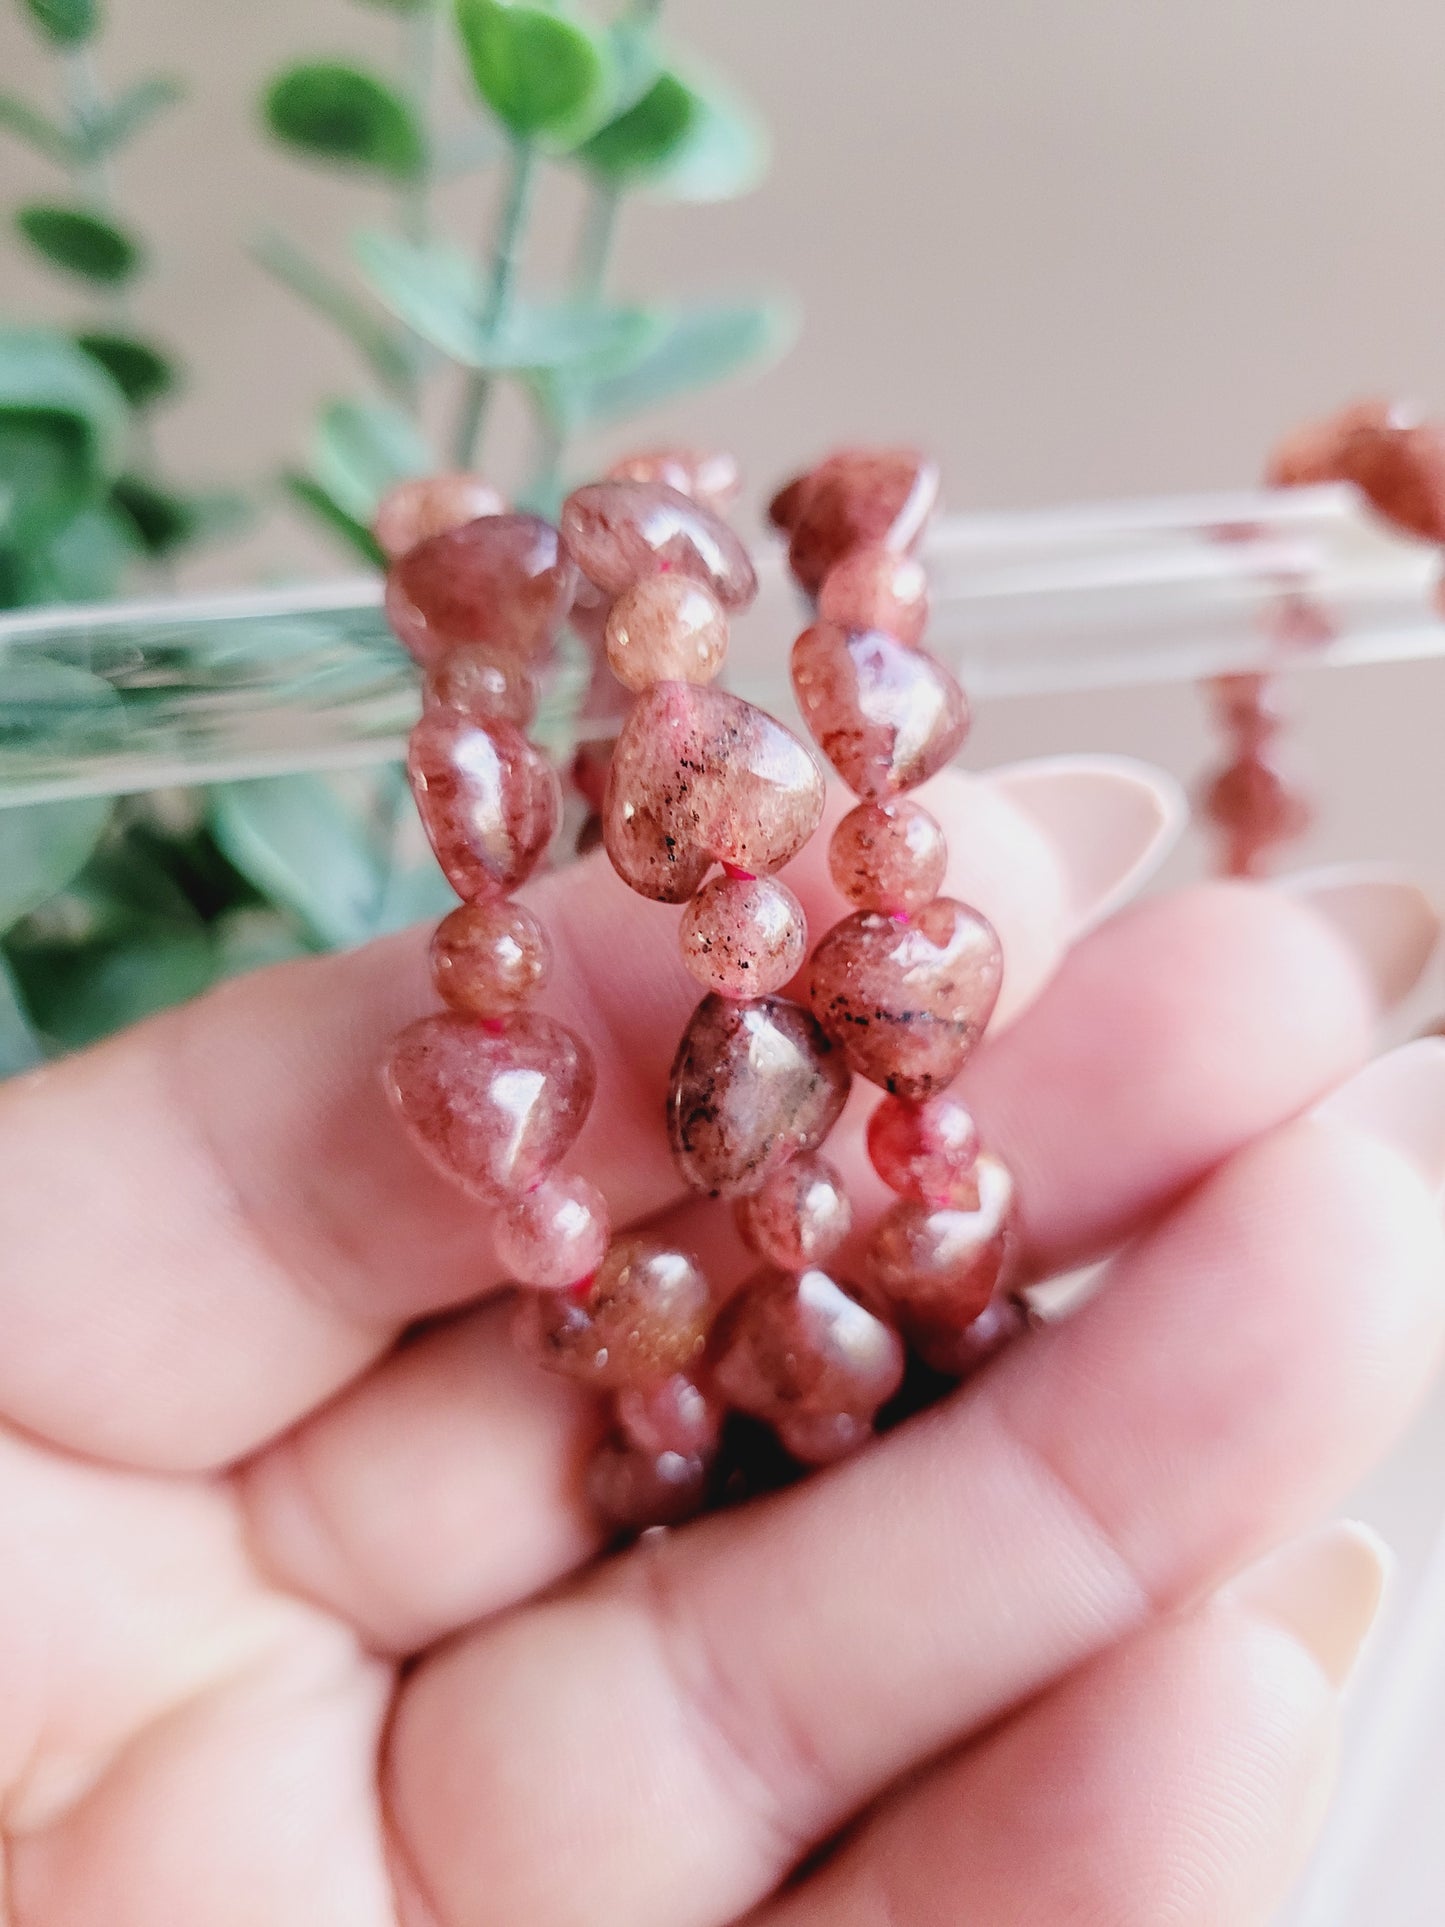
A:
x: 67, y: 22
x: 109, y: 130
x: 542, y: 75
x: 18, y: 117
x: 390, y: 356
x: 141, y: 372
x: 80, y: 242
x: 442, y: 296
x: 296, y: 840
x: 79, y: 996
x: 311, y: 496
x: 44, y: 375
x: 19, y: 1046
x: 54, y: 704
x: 681, y: 142
x: 162, y: 520
x: 43, y: 846
x: 85, y: 560
x: 341, y: 114
x: 696, y: 349
x: 361, y: 449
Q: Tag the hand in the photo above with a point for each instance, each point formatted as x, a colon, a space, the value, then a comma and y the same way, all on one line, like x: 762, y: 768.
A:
x: 298, y: 1624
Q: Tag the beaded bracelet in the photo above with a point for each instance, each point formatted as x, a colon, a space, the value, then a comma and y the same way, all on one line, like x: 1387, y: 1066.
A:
x: 898, y: 992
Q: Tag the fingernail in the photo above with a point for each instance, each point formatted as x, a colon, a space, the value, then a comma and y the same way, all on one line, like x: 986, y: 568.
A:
x: 1384, y: 917
x: 1400, y: 1099
x: 1326, y: 1589
x: 1110, y: 820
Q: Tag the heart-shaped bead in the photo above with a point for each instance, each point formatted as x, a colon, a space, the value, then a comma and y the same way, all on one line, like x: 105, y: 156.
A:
x: 907, y: 1001
x: 504, y: 580
x: 858, y: 496
x: 493, y: 1108
x: 617, y: 532
x: 702, y: 777
x: 886, y: 716
x: 488, y: 799
x: 753, y: 1084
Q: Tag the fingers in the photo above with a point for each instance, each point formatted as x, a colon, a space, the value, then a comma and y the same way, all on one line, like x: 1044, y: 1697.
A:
x: 212, y: 1222
x: 686, y: 1725
x: 1181, y: 1777
x: 1113, y: 1092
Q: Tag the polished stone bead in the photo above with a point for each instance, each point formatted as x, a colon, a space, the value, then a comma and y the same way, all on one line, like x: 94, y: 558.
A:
x: 939, y: 1265
x: 743, y: 936
x: 675, y: 1416
x: 907, y: 1002
x: 707, y: 475
x: 822, y: 1438
x: 429, y: 505
x: 885, y: 716
x: 490, y: 959
x: 701, y: 777
x: 484, y: 683
x: 877, y: 588
x: 1395, y: 459
x: 856, y: 498
x: 505, y: 581
x: 642, y: 1319
x: 924, y: 1151
x: 495, y: 1107
x: 888, y: 857
x: 1247, y: 708
x: 958, y: 1354
x: 752, y: 1085
x: 488, y: 799
x: 666, y: 628
x: 795, y: 1344
x: 1257, y: 808
x: 554, y: 1235
x: 619, y: 532
x: 800, y: 1217
x: 633, y: 1490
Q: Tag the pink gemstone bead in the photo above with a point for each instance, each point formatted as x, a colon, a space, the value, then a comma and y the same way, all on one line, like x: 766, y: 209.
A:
x: 1247, y: 707
x: 618, y: 532
x: 710, y: 476
x: 907, y: 1002
x: 675, y: 1416
x: 504, y: 581
x: 1258, y: 808
x: 635, y: 1490
x: 941, y: 1264
x: 666, y: 628
x: 958, y: 1354
x: 429, y: 505
x: 483, y: 683
x: 743, y: 936
x: 800, y: 1217
x: 822, y: 1438
x: 1395, y: 459
x: 888, y: 857
x: 700, y: 777
x: 753, y: 1084
x: 642, y: 1319
x: 553, y: 1235
x: 855, y: 498
x: 490, y: 959
x: 495, y: 1109
x: 877, y: 588
x: 885, y: 716
x: 488, y: 799
x: 924, y: 1151
x: 794, y: 1344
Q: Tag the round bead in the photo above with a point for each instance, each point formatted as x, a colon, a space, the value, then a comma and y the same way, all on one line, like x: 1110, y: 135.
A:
x: 675, y: 1416
x: 710, y: 476
x: 957, y: 1354
x: 554, y: 1235
x: 888, y: 857
x: 800, y: 1217
x: 822, y: 1438
x: 877, y: 588
x: 941, y: 1264
x: 666, y: 628
x: 488, y: 799
x: 1247, y: 706
x: 618, y: 532
x: 490, y: 959
x: 484, y: 684
x: 504, y: 580
x: 643, y: 1317
x: 429, y: 505
x: 635, y: 1490
x: 925, y: 1151
x: 887, y: 717
x: 743, y: 936
x: 790, y: 1344
x: 1258, y: 808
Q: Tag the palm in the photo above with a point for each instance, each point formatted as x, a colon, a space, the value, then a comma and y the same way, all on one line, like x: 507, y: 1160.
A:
x: 282, y: 1637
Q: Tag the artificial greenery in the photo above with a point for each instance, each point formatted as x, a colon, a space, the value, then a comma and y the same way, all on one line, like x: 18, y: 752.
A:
x: 111, y: 910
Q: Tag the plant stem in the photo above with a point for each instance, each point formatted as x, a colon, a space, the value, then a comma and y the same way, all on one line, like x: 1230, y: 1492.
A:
x: 506, y: 259
x: 421, y: 50
x: 595, y: 244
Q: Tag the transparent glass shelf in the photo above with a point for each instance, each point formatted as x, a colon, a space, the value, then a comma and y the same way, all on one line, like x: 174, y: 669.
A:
x: 113, y: 698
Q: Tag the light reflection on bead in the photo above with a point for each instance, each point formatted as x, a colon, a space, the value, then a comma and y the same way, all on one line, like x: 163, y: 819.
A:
x: 887, y: 717
x: 489, y: 800
x: 743, y: 936
x: 643, y: 1317
x: 666, y: 628
x: 429, y: 505
x: 941, y: 1264
x: 554, y: 1235
x: 619, y: 532
x: 925, y: 1151
x: 504, y: 580
x: 490, y: 959
x: 800, y: 1217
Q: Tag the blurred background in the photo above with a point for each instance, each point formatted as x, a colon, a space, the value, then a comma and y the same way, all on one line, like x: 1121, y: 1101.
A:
x: 1078, y: 248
